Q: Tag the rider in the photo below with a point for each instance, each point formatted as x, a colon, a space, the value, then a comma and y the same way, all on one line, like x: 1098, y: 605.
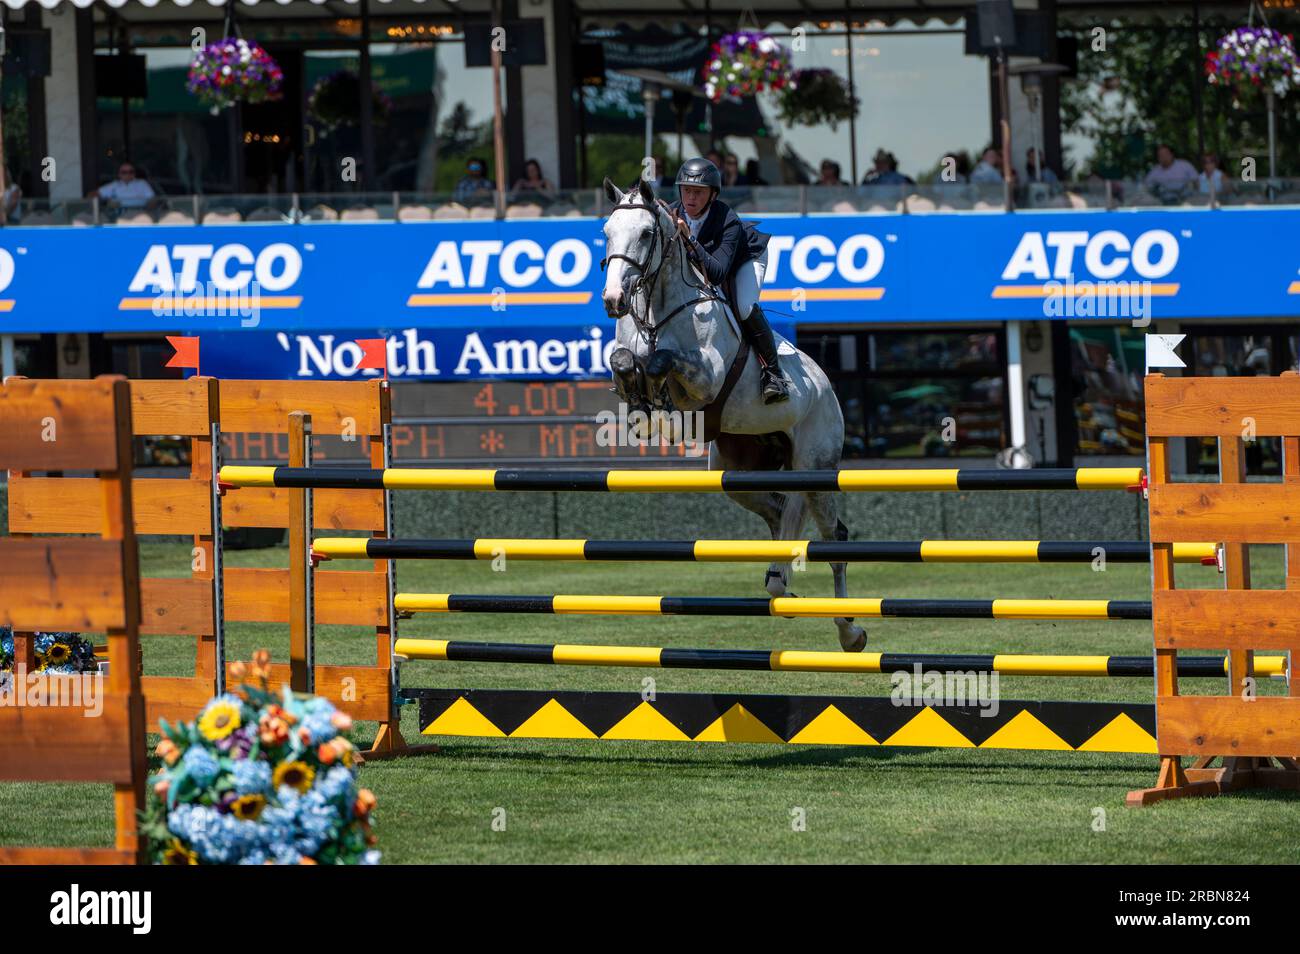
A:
x: 720, y: 244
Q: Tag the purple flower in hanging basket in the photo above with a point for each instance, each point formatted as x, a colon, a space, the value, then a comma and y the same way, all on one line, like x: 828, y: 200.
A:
x: 1247, y: 58
x: 745, y: 63
x: 232, y: 71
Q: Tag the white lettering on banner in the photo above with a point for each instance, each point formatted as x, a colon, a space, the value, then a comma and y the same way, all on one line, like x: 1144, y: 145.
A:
x: 6, y: 268
x: 849, y: 249
x: 841, y: 260
x: 511, y: 274
x: 275, y: 267
x: 1106, y: 255
x: 555, y: 257
x: 220, y: 262
x: 564, y: 263
x: 409, y: 356
x: 804, y: 273
x: 515, y: 356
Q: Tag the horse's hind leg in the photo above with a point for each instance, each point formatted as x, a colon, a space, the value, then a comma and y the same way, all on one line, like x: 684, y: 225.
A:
x: 737, y: 452
x: 769, y: 506
x: 826, y: 512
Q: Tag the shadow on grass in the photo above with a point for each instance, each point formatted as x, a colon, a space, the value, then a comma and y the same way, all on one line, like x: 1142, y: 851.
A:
x: 1001, y: 762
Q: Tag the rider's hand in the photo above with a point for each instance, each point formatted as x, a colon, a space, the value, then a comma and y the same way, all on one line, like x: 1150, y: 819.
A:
x: 683, y: 229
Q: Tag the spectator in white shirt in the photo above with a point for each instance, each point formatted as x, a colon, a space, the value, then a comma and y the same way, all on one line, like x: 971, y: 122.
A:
x: 1170, y: 179
x: 126, y: 190
x: 1211, y: 175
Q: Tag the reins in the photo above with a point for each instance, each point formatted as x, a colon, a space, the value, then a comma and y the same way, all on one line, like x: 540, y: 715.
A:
x: 647, y: 281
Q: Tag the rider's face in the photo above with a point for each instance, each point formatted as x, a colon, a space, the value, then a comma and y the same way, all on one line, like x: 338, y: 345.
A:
x: 695, y: 199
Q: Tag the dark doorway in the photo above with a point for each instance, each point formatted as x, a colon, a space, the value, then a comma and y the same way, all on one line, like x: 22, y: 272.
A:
x: 272, y: 133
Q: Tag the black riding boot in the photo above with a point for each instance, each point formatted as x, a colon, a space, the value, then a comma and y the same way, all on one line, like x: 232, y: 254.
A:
x: 774, y: 384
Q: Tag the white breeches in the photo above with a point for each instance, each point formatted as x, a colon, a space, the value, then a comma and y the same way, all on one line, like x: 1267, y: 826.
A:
x: 749, y: 284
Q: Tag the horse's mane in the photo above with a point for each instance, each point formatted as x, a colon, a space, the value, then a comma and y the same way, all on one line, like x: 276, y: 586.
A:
x: 634, y: 190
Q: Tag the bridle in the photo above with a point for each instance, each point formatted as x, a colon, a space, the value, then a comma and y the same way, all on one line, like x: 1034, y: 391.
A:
x: 647, y: 280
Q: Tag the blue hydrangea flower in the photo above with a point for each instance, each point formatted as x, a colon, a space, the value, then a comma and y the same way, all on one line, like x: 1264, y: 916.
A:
x: 320, y: 727
x: 252, y: 778
x: 200, y: 764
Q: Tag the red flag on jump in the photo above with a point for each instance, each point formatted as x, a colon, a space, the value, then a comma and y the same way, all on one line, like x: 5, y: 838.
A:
x: 187, y: 352
x: 374, y: 354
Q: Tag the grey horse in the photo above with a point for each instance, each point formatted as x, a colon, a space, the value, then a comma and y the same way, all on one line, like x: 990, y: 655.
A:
x: 675, y: 343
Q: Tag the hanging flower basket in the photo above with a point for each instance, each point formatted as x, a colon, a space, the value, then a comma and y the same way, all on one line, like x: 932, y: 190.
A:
x: 234, y: 71
x: 813, y: 97
x: 260, y: 777
x: 335, y: 101
x: 745, y: 63
x: 1254, y: 58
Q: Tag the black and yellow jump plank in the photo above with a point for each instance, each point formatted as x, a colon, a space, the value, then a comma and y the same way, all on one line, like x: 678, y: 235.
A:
x: 672, y: 481
x: 787, y: 606
x: 814, y: 720
x: 757, y: 551
x: 795, y: 660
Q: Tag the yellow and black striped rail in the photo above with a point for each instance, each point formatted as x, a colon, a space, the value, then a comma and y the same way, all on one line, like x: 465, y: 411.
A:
x: 796, y: 660
x: 787, y: 606
x: 668, y: 481
x: 758, y: 551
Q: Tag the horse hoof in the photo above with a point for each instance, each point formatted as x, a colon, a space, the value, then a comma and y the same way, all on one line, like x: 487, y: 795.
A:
x: 856, y: 640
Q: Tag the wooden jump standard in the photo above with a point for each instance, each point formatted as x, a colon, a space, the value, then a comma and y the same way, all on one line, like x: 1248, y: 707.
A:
x: 798, y: 660
x: 83, y: 584
x: 173, y: 607
x: 209, y: 413
x: 758, y: 551
x: 1259, y: 737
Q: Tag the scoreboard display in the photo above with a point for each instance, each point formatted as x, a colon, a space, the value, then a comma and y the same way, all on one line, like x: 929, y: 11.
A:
x: 464, y: 422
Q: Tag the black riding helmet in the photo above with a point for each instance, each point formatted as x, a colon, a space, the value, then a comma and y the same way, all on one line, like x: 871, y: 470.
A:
x: 700, y: 172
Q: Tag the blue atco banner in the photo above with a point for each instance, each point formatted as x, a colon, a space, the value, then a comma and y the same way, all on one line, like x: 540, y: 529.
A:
x: 485, y: 276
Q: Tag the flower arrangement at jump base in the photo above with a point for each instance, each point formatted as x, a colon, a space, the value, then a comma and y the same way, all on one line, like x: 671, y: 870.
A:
x: 259, y: 778
x: 54, y: 652
x: 1250, y: 58
x: 745, y: 63
x: 335, y: 101
x: 816, y: 96
x: 234, y: 71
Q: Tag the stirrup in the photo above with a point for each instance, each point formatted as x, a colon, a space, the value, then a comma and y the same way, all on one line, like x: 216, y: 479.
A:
x: 774, y: 386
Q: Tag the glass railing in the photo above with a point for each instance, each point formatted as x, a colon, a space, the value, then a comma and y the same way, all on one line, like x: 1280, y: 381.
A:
x: 748, y: 201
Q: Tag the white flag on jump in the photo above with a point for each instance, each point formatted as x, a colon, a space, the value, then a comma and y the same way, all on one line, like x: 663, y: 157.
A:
x: 1160, y: 351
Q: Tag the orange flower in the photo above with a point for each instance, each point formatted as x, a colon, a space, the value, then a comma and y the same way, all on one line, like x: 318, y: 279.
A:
x: 341, y: 721
x: 161, y: 787
x: 167, y: 751
x: 273, y: 731
x: 325, y: 753
x: 261, y: 664
x: 304, y: 860
x: 238, y: 670
x: 365, y: 802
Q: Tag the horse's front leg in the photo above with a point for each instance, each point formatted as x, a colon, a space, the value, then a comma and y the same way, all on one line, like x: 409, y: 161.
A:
x: 688, y: 371
x: 629, y: 378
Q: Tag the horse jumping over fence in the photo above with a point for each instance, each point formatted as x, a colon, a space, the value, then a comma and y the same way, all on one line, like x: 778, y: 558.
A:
x: 679, y: 349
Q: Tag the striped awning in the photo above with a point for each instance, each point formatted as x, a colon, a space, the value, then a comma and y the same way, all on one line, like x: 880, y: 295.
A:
x: 51, y: 4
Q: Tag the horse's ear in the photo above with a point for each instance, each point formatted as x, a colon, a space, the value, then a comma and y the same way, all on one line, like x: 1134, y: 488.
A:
x: 647, y: 193
x: 612, y: 192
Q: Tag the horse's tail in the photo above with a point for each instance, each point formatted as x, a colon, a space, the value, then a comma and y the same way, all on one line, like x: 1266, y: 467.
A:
x: 793, y: 515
